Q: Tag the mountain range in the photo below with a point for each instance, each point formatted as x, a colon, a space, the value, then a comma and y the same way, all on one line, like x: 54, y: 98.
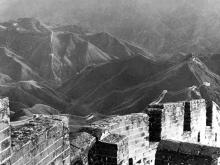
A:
x: 69, y: 69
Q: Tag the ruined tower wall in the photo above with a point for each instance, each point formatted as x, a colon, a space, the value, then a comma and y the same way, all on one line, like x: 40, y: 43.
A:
x: 198, y: 122
x: 129, y: 134
x: 51, y: 146
x: 135, y: 128
x: 5, y: 132
x: 173, y: 121
x: 81, y: 143
x: 110, y: 150
x: 134, y: 142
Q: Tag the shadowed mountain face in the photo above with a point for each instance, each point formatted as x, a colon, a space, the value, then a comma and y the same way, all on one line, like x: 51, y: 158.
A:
x: 121, y: 94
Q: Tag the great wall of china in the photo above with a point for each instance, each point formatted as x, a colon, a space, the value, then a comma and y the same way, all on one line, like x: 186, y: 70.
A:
x: 186, y: 132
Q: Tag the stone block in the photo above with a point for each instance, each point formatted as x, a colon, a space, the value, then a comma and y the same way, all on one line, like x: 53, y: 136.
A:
x: 5, y: 133
x: 5, y: 155
x: 5, y: 144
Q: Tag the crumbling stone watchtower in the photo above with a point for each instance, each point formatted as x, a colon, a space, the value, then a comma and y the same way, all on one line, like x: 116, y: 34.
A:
x: 195, y: 121
x: 185, y: 132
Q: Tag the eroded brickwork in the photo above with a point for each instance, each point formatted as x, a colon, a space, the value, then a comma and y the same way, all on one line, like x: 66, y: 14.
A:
x: 118, y: 140
x: 212, y: 134
x: 5, y: 132
x: 187, y: 122
x: 43, y: 140
x: 113, y: 149
x: 171, y: 133
x: 81, y: 143
x: 174, y: 152
x: 183, y: 121
x: 190, y: 125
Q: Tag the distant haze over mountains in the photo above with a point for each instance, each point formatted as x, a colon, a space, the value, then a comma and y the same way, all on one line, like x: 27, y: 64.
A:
x: 106, y: 57
x: 163, y: 27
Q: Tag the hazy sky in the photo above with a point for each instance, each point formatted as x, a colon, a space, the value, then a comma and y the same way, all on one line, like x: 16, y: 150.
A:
x: 3, y: 4
x: 147, y: 22
x: 58, y: 8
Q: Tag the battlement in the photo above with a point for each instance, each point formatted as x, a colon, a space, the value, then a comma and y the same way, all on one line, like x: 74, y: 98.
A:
x: 188, y: 121
x: 158, y: 136
x: 194, y: 123
x: 113, y: 140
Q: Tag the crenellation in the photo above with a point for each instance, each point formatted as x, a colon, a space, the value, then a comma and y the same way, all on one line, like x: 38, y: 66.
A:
x: 171, y: 133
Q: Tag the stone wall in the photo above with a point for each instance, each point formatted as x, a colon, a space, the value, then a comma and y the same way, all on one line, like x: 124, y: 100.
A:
x: 5, y: 132
x: 81, y: 143
x: 174, y: 119
x: 130, y: 139
x: 43, y: 140
x: 187, y: 122
x: 174, y: 152
x: 213, y: 130
x: 40, y: 140
x: 181, y: 121
x: 113, y: 149
x: 127, y: 134
x: 204, y: 127
x: 135, y: 127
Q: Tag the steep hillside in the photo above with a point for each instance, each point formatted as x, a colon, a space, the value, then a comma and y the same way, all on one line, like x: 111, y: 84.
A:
x: 111, y: 98
x: 213, y: 61
x: 16, y: 67
x: 120, y: 74
x: 116, y: 47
